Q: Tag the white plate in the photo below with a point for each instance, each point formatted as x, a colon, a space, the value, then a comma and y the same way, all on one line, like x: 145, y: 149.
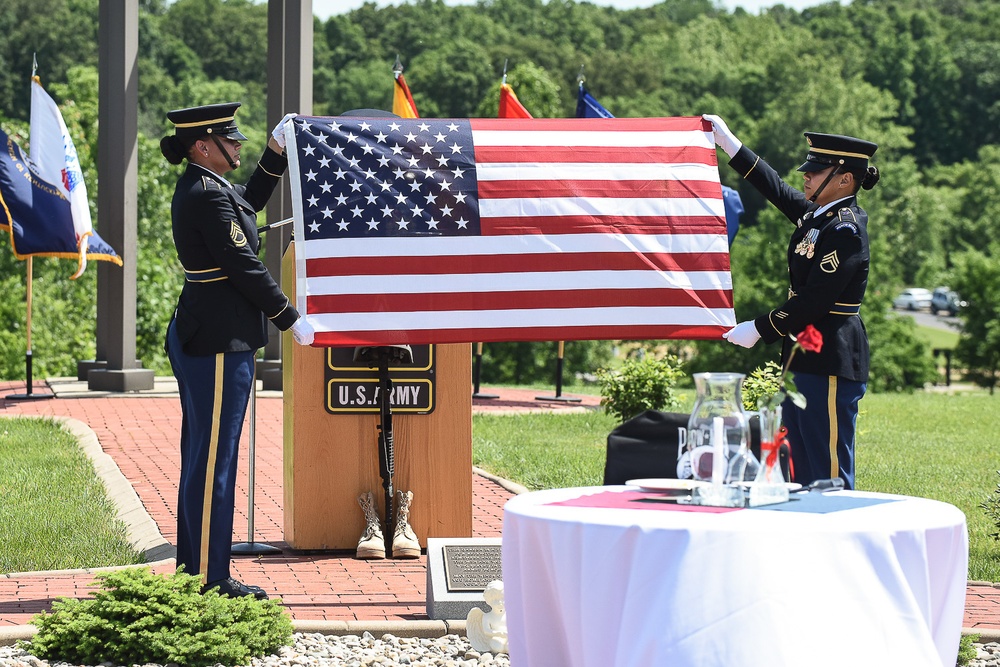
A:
x: 791, y: 486
x: 667, y: 484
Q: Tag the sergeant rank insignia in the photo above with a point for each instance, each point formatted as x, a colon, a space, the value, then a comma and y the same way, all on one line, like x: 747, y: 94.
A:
x: 807, y: 246
x: 830, y: 262
x: 236, y: 233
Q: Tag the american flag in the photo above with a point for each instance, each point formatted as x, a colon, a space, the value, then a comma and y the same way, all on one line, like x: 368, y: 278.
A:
x: 413, y: 231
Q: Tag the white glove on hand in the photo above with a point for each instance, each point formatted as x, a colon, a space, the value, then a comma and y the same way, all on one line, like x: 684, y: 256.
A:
x: 744, y: 334
x: 279, y: 130
x: 302, y: 332
x: 724, y: 138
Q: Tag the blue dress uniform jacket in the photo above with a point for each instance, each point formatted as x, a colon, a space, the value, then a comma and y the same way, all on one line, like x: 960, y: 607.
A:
x: 228, y: 292
x: 828, y: 261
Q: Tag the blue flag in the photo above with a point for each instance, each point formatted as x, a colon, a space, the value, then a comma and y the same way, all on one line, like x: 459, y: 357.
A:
x: 588, y: 107
x: 37, y: 214
x: 734, y: 209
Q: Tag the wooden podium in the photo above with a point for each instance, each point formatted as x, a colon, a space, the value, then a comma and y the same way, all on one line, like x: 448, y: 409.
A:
x: 332, y: 458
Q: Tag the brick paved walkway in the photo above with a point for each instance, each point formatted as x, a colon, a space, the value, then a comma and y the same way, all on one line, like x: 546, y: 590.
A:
x: 139, y: 433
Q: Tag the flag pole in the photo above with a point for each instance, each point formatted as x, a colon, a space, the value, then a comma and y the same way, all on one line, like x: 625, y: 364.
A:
x: 475, y: 374
x: 279, y: 223
x: 250, y: 547
x: 559, y: 374
x: 28, y: 395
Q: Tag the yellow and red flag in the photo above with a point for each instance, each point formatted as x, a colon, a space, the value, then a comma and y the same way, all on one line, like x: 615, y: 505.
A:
x: 510, y: 106
x: 402, y: 102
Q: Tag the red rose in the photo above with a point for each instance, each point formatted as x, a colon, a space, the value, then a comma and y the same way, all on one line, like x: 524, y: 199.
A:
x: 810, y: 339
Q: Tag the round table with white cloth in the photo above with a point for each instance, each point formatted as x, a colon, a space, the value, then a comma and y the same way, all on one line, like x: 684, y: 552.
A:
x: 846, y: 578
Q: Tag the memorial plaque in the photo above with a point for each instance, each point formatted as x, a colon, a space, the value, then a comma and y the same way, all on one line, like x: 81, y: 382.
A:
x: 472, y: 552
x: 471, y: 568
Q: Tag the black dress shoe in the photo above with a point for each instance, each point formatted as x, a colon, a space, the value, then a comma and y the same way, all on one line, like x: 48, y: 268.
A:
x: 235, y: 589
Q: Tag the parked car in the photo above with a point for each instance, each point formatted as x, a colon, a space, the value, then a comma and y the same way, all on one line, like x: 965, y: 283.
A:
x: 946, y: 300
x: 914, y: 298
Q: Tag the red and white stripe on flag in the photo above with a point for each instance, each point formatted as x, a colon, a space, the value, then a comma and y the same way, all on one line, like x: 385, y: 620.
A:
x: 483, y: 230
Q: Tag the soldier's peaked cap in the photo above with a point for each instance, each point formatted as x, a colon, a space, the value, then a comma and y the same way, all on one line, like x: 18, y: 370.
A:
x: 213, y: 119
x: 828, y: 150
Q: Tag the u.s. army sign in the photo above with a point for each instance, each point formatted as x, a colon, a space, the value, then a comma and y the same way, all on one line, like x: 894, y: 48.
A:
x: 352, y: 387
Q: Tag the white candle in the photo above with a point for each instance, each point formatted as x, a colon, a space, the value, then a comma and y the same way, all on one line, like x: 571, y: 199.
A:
x: 718, y: 452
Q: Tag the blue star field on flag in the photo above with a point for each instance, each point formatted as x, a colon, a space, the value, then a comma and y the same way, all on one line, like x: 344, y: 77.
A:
x: 376, y: 177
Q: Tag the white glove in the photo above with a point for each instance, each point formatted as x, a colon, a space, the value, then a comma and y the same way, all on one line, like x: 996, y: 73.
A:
x: 744, y: 334
x: 724, y: 138
x: 302, y: 332
x: 279, y: 130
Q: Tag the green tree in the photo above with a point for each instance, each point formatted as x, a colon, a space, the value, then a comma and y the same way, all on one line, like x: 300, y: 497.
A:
x: 60, y: 33
x: 365, y: 85
x: 453, y: 78
x: 534, y: 88
x: 978, y: 281
x: 213, y: 28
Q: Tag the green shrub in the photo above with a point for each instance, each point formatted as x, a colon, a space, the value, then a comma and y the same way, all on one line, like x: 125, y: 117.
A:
x: 991, y: 506
x: 966, y: 650
x: 763, y: 383
x: 640, y: 384
x: 140, y: 618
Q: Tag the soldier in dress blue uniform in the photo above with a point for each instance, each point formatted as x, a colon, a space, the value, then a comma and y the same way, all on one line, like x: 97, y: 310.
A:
x: 828, y: 261
x: 219, y: 324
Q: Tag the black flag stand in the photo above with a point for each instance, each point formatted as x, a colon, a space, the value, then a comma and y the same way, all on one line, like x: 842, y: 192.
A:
x: 28, y: 395
x: 476, y: 369
x: 559, y: 375
x: 251, y: 548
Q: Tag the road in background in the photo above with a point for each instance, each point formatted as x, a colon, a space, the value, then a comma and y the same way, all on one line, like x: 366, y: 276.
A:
x: 925, y: 319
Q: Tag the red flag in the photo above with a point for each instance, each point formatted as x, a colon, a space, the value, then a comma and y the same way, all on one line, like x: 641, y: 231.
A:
x: 402, y: 102
x: 445, y: 231
x: 510, y: 106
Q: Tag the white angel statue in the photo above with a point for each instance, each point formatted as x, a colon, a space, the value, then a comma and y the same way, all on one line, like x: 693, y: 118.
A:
x: 488, y: 631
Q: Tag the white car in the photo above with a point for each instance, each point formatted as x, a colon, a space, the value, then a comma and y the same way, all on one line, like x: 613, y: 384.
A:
x: 914, y: 298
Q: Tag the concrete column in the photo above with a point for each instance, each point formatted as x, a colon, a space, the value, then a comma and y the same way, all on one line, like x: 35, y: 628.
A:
x: 117, y: 157
x: 289, y: 89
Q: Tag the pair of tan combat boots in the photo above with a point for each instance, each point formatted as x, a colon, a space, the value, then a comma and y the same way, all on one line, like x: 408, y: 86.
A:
x: 404, y: 541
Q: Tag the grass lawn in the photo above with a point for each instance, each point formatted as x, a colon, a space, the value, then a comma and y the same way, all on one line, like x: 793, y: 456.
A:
x: 938, y: 339
x: 54, y: 511
x: 55, y: 514
x: 936, y: 446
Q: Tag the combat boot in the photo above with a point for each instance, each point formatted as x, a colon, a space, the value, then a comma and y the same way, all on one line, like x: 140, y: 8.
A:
x: 371, y: 546
x: 404, y: 540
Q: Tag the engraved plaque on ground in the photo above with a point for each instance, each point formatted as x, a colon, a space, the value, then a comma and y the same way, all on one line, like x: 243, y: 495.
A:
x: 471, y: 568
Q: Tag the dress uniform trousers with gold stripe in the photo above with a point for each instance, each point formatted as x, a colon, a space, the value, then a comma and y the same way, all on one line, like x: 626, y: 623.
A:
x: 828, y: 260
x: 214, y: 391
x: 219, y: 324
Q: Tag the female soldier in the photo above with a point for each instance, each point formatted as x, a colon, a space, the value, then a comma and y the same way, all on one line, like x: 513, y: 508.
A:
x: 828, y: 272
x: 219, y: 324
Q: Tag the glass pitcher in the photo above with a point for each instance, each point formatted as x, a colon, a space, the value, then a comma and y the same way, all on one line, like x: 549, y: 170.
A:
x: 718, y: 431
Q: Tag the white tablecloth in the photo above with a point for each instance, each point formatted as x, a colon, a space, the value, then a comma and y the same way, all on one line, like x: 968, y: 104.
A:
x: 882, y: 585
